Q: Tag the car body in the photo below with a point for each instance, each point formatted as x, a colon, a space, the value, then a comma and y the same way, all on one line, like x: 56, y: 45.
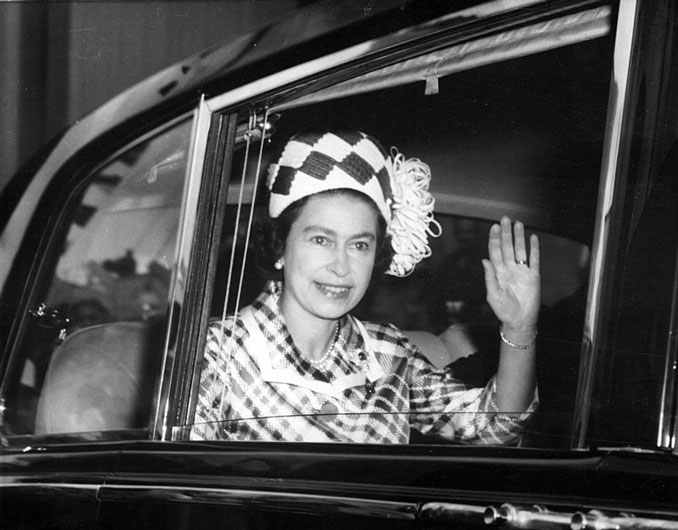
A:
x: 126, y: 235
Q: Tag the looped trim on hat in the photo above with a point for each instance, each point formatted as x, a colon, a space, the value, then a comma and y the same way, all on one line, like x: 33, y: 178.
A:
x: 411, y: 207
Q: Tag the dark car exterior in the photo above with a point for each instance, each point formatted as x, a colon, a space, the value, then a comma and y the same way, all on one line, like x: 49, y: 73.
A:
x: 125, y: 236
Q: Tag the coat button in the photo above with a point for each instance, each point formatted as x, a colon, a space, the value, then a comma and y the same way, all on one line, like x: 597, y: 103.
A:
x: 328, y: 411
x: 369, y: 389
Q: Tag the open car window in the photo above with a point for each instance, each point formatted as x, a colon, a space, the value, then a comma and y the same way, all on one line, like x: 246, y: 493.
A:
x: 511, y: 124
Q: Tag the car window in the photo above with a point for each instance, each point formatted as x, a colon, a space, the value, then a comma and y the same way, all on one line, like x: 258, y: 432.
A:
x: 518, y: 134
x: 92, y: 344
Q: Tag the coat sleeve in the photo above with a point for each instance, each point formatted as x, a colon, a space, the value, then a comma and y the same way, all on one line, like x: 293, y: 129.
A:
x: 444, y: 406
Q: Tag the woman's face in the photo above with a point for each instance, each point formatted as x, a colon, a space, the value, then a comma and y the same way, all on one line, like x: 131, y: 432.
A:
x: 329, y: 256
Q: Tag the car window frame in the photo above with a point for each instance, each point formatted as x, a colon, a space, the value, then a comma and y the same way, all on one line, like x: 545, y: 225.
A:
x: 640, y: 58
x: 190, y: 298
x: 277, y: 90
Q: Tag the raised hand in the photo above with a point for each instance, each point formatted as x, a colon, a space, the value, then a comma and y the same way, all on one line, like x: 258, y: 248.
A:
x: 512, y: 277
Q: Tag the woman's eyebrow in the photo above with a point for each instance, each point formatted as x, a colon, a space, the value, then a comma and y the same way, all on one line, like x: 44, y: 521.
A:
x: 364, y: 235
x: 333, y: 233
x: 318, y: 228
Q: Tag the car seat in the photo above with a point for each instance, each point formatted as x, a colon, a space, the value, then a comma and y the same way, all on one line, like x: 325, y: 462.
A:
x: 101, y: 378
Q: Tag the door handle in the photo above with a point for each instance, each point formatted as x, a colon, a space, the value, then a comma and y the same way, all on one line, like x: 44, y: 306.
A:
x: 49, y: 317
x: 537, y: 517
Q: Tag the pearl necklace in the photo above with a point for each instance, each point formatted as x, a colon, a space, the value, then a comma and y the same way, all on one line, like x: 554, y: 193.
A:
x: 323, y: 363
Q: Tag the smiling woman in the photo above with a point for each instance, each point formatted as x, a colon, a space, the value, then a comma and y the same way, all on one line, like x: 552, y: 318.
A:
x: 296, y: 366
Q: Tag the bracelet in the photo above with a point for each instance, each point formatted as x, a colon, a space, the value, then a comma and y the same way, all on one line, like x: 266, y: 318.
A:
x: 514, y: 345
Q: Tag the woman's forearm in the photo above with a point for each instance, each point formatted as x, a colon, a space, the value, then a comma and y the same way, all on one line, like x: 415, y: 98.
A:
x: 516, y: 374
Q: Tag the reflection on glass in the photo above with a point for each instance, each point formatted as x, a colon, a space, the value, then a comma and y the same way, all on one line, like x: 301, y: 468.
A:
x: 107, y: 290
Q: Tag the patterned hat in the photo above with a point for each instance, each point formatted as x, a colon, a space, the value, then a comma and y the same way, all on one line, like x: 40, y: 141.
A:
x: 315, y: 162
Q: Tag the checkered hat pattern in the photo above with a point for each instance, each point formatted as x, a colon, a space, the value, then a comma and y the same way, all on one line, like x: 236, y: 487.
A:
x: 312, y: 163
x: 315, y: 162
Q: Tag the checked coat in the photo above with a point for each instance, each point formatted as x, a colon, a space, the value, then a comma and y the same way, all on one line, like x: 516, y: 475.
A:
x: 256, y: 385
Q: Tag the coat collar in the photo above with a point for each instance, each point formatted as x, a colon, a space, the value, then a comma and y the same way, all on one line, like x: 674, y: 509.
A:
x: 272, y: 348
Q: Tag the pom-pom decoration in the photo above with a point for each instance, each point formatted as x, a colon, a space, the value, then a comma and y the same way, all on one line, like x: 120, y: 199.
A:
x: 411, y: 207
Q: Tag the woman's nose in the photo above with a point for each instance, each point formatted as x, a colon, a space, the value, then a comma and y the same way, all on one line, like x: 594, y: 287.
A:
x: 339, y: 264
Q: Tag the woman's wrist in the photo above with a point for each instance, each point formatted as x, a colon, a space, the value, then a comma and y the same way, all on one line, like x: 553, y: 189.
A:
x: 518, y: 338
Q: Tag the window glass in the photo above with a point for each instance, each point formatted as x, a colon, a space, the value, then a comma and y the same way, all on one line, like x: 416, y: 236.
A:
x: 521, y: 137
x: 92, y: 345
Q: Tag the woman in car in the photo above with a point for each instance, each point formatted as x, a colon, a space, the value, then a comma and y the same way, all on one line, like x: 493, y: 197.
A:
x: 296, y: 366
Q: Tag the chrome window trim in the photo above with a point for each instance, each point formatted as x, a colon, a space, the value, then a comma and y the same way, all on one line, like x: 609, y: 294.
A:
x: 199, y: 135
x: 291, y: 75
x: 668, y: 426
x: 621, y: 67
x: 514, y: 43
x: 71, y: 489
x: 267, y: 500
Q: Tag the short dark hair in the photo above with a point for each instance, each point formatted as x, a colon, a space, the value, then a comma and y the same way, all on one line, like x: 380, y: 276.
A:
x: 271, y: 234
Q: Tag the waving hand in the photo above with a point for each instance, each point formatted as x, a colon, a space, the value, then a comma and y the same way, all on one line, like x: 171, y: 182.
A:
x: 512, y: 276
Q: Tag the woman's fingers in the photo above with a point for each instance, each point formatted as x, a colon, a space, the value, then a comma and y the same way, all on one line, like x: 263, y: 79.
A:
x: 519, y: 243
x: 507, y: 245
x: 534, y: 252
x: 501, y: 243
x: 507, y: 241
x: 494, y: 246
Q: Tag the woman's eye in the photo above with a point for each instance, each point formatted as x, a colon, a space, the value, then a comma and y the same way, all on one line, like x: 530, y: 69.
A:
x: 362, y: 245
x: 320, y: 240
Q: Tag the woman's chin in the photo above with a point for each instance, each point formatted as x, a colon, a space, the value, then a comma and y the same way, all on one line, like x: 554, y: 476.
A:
x: 333, y: 309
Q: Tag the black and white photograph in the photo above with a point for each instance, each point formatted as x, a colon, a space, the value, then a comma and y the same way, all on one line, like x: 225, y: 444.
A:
x: 339, y: 264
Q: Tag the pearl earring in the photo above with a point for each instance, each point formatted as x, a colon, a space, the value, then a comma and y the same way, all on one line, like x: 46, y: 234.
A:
x: 279, y: 264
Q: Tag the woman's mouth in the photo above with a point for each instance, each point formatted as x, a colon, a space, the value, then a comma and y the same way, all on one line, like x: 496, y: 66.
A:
x: 333, y: 291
